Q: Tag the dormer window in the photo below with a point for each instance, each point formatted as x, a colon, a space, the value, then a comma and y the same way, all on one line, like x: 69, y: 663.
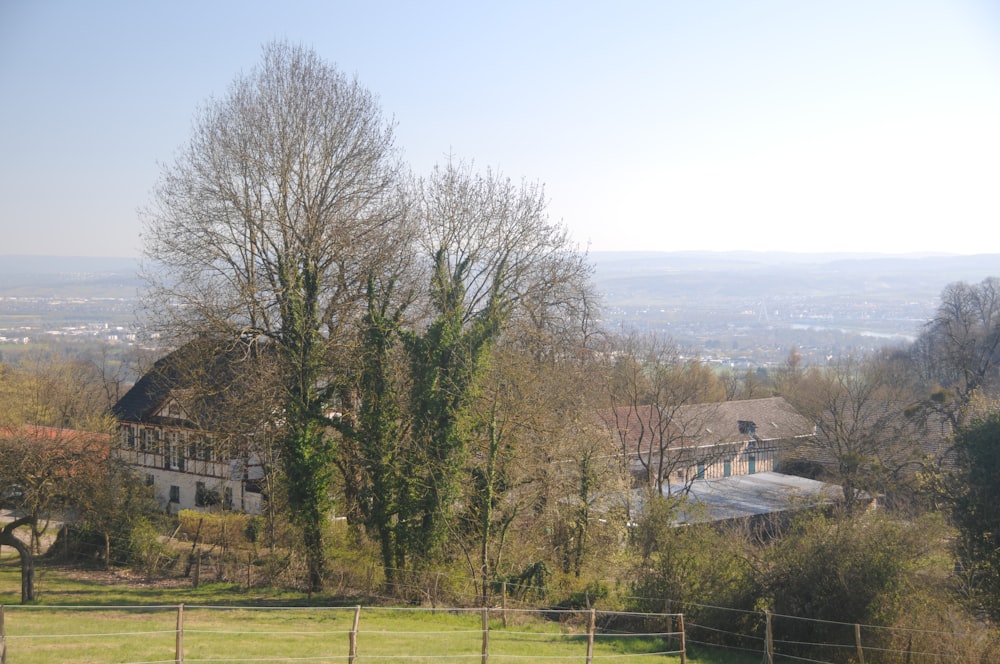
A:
x: 747, y: 428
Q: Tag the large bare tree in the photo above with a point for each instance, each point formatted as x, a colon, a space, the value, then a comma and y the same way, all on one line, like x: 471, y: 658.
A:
x: 864, y: 435
x: 959, y: 349
x: 267, y: 225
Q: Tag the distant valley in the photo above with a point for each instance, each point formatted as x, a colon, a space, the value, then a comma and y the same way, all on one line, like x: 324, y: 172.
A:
x: 736, y: 309
x: 748, y: 309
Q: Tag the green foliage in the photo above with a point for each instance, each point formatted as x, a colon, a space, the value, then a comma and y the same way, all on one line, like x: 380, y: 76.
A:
x: 147, y: 548
x: 975, y: 509
x: 679, y: 568
x: 445, y: 361
x: 817, y: 573
x: 844, y: 569
x: 223, y: 529
x: 531, y: 582
x: 586, y: 597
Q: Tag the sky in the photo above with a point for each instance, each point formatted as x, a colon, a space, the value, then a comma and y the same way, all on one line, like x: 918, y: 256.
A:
x: 661, y: 125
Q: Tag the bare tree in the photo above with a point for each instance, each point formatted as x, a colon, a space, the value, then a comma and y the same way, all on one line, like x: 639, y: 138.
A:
x: 960, y: 347
x: 267, y: 225
x: 650, y: 387
x: 50, y: 473
x: 50, y: 390
x: 863, y: 434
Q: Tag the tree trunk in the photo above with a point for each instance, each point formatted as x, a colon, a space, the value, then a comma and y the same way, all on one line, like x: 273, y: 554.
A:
x: 8, y: 538
x: 315, y: 555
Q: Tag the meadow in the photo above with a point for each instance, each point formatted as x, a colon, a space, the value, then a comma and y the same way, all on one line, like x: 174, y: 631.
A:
x: 102, y: 618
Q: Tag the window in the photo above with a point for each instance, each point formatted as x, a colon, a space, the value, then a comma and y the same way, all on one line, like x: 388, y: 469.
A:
x: 149, y: 480
x: 701, y: 470
x: 175, y: 494
x: 752, y: 464
x: 727, y: 468
x: 227, y: 500
x: 203, y: 497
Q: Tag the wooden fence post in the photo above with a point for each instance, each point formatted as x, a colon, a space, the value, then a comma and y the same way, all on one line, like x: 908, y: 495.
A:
x: 3, y: 637
x: 857, y: 641
x: 768, y: 639
x: 353, y: 652
x: 503, y: 603
x: 486, y: 635
x: 680, y: 625
x: 179, y: 644
x: 590, y: 636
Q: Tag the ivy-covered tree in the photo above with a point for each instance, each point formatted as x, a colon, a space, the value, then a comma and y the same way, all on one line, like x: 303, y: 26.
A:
x: 267, y: 226
x: 490, y: 259
x: 446, y: 360
x: 975, y: 507
x: 375, y: 432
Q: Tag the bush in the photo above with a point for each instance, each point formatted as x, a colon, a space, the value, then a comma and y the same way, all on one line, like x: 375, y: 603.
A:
x: 975, y: 510
x: 222, y: 529
x: 693, y: 569
x: 841, y: 569
x: 146, y: 548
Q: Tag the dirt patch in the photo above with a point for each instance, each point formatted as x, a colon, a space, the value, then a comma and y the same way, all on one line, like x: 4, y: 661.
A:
x: 121, y: 577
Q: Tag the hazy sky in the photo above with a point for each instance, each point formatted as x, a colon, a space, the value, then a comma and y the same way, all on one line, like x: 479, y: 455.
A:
x: 794, y: 125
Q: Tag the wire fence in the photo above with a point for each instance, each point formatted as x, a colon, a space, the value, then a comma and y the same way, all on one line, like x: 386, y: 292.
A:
x: 185, y: 633
x: 514, y: 629
x: 181, y: 633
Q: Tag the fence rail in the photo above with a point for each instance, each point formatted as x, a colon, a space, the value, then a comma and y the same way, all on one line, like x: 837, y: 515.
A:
x: 185, y: 633
x: 356, y: 635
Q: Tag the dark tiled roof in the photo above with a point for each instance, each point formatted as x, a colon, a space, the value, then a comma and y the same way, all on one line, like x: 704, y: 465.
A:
x: 713, y: 423
x: 202, y: 369
x: 772, y: 419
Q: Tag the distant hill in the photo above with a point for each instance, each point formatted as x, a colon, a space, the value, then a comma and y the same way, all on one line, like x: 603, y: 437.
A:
x: 744, y: 307
x: 19, y: 264
x: 68, y: 276
x: 632, y: 277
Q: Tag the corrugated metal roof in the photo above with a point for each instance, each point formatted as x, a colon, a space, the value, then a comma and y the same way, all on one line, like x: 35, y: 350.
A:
x: 750, y: 495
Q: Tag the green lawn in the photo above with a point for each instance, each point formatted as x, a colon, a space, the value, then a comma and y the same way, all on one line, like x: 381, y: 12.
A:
x: 93, y: 621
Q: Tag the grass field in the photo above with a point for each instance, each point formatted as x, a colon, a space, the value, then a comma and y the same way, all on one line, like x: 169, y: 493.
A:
x: 104, y: 618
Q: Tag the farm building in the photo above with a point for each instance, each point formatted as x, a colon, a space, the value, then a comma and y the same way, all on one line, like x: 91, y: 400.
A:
x: 706, y: 441
x: 173, y: 431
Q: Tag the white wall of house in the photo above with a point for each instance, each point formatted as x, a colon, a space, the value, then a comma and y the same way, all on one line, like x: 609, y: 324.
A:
x: 185, y: 472
x: 712, y: 462
x: 177, y: 491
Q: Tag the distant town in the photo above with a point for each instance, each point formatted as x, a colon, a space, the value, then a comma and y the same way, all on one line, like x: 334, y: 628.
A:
x: 739, y: 311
